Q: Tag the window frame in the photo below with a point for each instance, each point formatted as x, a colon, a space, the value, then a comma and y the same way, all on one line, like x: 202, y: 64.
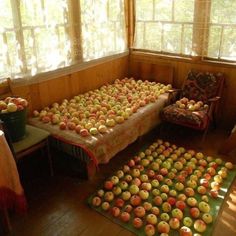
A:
x: 202, y: 11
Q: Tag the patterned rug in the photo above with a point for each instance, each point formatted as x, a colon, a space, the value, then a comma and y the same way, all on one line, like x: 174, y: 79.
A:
x: 166, y: 190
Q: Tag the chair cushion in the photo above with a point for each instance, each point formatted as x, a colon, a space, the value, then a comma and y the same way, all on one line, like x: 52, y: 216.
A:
x: 175, y: 114
x: 33, y: 136
x: 201, y: 86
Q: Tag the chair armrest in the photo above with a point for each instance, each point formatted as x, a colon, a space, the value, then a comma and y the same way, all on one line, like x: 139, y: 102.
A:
x: 173, y: 94
x: 214, y: 99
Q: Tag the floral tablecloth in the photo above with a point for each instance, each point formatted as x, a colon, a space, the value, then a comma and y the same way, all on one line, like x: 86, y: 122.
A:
x: 11, y: 192
x: 103, y: 147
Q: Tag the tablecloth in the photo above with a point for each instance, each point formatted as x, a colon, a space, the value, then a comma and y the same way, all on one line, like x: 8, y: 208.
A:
x: 11, y: 191
x: 102, y: 147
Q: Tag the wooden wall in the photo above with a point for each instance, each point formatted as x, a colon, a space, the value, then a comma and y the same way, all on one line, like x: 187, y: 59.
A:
x: 144, y: 65
x: 45, y: 93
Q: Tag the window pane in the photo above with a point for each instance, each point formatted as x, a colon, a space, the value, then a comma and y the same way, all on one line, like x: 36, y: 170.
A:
x: 229, y: 46
x: 187, y: 39
x: 222, y: 35
x: 172, y: 38
x: 5, y: 14
x: 163, y: 10
x: 223, y: 11
x: 170, y: 31
x: 184, y: 10
x: 214, y: 41
x: 103, y: 31
x: 144, y: 9
x: 31, y: 12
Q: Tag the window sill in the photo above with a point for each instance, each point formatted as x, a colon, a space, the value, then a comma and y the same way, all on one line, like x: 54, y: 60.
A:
x: 196, y: 60
x: 27, y: 80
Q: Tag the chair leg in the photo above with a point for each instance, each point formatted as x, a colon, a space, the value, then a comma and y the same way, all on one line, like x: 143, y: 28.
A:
x: 49, y: 159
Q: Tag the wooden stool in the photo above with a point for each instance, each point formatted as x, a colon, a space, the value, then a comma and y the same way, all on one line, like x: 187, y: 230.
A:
x: 35, y: 138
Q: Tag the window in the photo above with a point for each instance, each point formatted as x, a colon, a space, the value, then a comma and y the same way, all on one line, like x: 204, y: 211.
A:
x: 205, y: 28
x: 43, y: 35
x: 103, y: 28
x: 222, y: 30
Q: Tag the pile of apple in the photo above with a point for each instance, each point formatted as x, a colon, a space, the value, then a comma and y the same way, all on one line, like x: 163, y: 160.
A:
x: 96, y: 111
x: 164, y: 189
x: 191, y: 105
x: 12, y: 104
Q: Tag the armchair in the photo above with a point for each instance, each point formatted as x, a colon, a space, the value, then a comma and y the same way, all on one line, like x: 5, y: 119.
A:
x: 197, y: 103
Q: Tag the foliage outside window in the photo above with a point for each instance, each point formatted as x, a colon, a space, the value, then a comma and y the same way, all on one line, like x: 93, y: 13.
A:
x: 205, y: 28
x: 39, y: 35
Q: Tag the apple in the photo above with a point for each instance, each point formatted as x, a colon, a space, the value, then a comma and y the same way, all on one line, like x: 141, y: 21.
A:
x: 151, y: 173
x: 126, y: 169
x: 151, y: 219
x: 125, y: 216
x: 119, y: 202
x: 108, y: 185
x: 126, y: 195
x: 204, y: 207
x: 223, y: 173
x: 214, y: 193
x: 179, y: 186
x: 181, y: 197
x: 123, y: 185
x: 128, y: 178
x: 147, y: 206
x: 164, y: 216
x: 11, y: 107
x: 207, y: 218
x: 229, y: 165
x: 155, y: 192
x: 120, y: 174
x: 137, y: 222
x: 139, y: 211
x: 115, y: 211
x: 136, y: 181
x: 155, y: 210
x: 178, y: 165
x: 163, y: 227
x: 100, y: 192
x: 144, y: 178
x: 180, y: 205
x: 134, y: 189
x: 157, y: 200
x: 205, y: 198
x: 96, y: 201
x: 177, y: 213
x: 194, y: 212
x: 155, y: 183
x: 144, y: 194
x: 199, y: 155
x: 185, y: 231
x: 109, y: 196
x: 84, y: 132
x: 135, y: 172
x: 135, y: 200
x: 189, y: 192
x: 171, y: 200
x: 164, y: 188
x: 166, y: 207
x: 146, y: 186
x: 128, y: 208
x: 116, y: 190
x: 201, y: 189
x: 115, y: 180
x: 215, y: 186
x: 192, y: 184
x: 174, y: 223
x: 191, y: 201
x: 199, y: 226
x: 149, y: 230
x: 187, y: 221
x: 105, y: 206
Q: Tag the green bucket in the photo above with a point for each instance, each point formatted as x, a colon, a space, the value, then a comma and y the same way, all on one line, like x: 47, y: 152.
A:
x: 15, y: 123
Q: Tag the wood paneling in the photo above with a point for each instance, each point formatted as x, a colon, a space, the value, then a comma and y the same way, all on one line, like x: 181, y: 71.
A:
x: 45, y: 93
x: 142, y: 64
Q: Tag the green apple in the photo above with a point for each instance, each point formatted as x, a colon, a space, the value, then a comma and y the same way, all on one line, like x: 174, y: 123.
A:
x: 187, y: 221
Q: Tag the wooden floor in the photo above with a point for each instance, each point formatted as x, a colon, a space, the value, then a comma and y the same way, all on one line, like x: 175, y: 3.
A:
x: 57, y: 206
